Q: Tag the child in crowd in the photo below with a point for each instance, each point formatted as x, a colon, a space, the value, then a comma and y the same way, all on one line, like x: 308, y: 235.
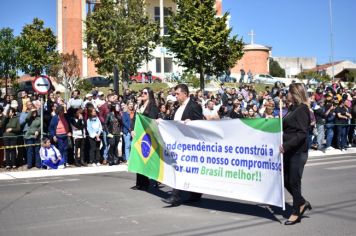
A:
x: 50, y: 155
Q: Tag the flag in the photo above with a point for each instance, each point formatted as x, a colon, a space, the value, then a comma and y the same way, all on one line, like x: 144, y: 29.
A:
x: 146, y: 149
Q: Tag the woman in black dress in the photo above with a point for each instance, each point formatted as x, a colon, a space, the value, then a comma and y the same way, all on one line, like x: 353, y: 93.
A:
x: 149, y: 109
x: 295, y: 148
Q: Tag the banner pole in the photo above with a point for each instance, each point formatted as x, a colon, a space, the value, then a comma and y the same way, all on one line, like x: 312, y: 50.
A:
x: 282, y: 162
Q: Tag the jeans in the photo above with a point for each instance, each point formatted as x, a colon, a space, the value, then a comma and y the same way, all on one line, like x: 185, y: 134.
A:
x: 52, y: 165
x: 127, y: 141
x: 321, y: 135
x: 341, y: 136
x: 62, y: 144
x: 329, y: 134
x: 106, y: 145
x: 33, y: 151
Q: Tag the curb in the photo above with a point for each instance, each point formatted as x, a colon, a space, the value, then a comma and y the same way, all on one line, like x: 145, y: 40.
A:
x: 61, y: 172
x: 318, y: 153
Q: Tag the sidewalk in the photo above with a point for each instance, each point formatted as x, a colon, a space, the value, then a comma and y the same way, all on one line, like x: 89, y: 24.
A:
x: 314, y: 153
x: 118, y: 168
x: 61, y: 172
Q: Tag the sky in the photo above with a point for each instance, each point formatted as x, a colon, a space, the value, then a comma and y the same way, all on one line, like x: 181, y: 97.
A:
x: 293, y: 28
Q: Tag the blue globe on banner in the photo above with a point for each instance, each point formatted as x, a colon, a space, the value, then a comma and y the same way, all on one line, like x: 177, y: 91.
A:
x: 146, y: 145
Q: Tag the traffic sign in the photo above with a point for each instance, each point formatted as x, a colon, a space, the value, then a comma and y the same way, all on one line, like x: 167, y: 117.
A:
x: 41, y: 84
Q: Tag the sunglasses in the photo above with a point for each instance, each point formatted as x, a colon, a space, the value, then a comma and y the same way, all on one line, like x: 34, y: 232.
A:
x: 145, y: 92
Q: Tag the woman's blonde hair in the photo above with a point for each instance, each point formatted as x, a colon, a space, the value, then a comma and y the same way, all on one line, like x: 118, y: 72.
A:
x: 299, y: 94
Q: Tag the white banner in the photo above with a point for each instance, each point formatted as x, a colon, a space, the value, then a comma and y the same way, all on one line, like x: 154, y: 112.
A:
x: 226, y: 158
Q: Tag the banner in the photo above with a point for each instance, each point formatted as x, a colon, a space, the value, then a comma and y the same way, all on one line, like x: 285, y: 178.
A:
x: 236, y: 158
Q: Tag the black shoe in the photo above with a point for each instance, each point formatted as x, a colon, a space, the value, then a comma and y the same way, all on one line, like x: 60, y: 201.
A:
x: 307, y: 206
x: 193, y: 200
x: 171, y: 201
x: 139, y: 187
x: 289, y: 222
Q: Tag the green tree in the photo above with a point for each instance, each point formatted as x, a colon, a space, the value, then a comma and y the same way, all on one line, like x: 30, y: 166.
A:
x: 200, y: 40
x: 275, y: 69
x: 37, y: 48
x: 120, y: 33
x: 8, y: 63
x: 67, y: 71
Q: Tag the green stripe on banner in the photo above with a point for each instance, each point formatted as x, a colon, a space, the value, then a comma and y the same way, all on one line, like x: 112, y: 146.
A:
x: 266, y: 125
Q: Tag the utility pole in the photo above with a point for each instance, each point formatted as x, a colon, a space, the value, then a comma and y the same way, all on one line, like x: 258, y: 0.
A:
x: 331, y: 41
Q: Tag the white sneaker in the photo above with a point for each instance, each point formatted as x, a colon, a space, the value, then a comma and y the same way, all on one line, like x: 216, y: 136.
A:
x: 329, y: 149
x: 61, y: 167
x: 98, y: 164
x: 93, y: 165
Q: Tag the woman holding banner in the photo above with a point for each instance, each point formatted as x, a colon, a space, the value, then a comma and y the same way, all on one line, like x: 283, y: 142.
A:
x: 295, y: 148
x: 149, y: 109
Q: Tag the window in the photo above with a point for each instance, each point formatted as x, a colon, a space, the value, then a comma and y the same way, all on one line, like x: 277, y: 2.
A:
x: 168, y: 65
x: 167, y: 11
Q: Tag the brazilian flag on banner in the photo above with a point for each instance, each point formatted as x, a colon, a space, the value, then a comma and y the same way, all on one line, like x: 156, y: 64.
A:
x: 146, y: 150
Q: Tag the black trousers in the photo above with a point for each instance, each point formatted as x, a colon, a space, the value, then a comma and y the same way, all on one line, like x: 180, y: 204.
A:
x: 142, y: 181
x: 114, y: 141
x: 10, y: 152
x: 177, y: 194
x: 293, y: 171
x: 79, y: 143
x: 94, y: 154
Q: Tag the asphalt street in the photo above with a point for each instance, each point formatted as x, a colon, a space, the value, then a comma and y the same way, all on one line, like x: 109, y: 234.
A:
x: 103, y: 204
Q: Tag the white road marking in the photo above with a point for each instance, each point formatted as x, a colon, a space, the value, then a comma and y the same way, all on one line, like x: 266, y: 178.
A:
x: 341, y: 167
x: 39, y: 182
x: 328, y: 158
x: 329, y: 162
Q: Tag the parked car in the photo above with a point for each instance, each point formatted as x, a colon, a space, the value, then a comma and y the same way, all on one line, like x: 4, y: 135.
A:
x: 138, y: 78
x: 265, y: 79
x: 26, y: 86
x: 226, y: 78
x: 99, y: 81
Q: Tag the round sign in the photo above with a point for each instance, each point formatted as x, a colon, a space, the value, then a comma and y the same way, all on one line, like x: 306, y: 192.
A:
x: 41, y: 84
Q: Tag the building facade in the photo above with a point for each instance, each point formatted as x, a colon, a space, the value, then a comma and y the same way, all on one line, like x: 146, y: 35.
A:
x: 294, y: 65
x: 71, y: 15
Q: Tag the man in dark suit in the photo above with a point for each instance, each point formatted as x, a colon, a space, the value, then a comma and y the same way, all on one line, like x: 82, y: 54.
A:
x: 187, y: 110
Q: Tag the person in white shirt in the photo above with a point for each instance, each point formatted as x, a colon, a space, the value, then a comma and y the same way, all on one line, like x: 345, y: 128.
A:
x: 50, y: 155
x: 210, y: 113
x: 171, y: 96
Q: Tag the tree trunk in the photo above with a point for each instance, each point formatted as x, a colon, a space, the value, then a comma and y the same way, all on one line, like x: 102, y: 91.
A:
x: 6, y: 85
x: 202, y: 82
x: 124, y: 81
x: 116, y: 80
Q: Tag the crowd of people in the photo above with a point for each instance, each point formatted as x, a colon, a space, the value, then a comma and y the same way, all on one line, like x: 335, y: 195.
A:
x: 96, y: 128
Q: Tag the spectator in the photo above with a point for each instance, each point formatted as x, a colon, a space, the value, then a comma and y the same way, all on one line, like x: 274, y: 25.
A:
x: 59, y: 131
x: 210, y: 113
x: 79, y: 134
x: 341, y: 121
x: 32, y: 138
x: 126, y: 129
x: 329, y: 124
x: 95, y: 129
x: 12, y: 129
x: 113, y: 124
x: 50, y: 155
x: 236, y: 111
